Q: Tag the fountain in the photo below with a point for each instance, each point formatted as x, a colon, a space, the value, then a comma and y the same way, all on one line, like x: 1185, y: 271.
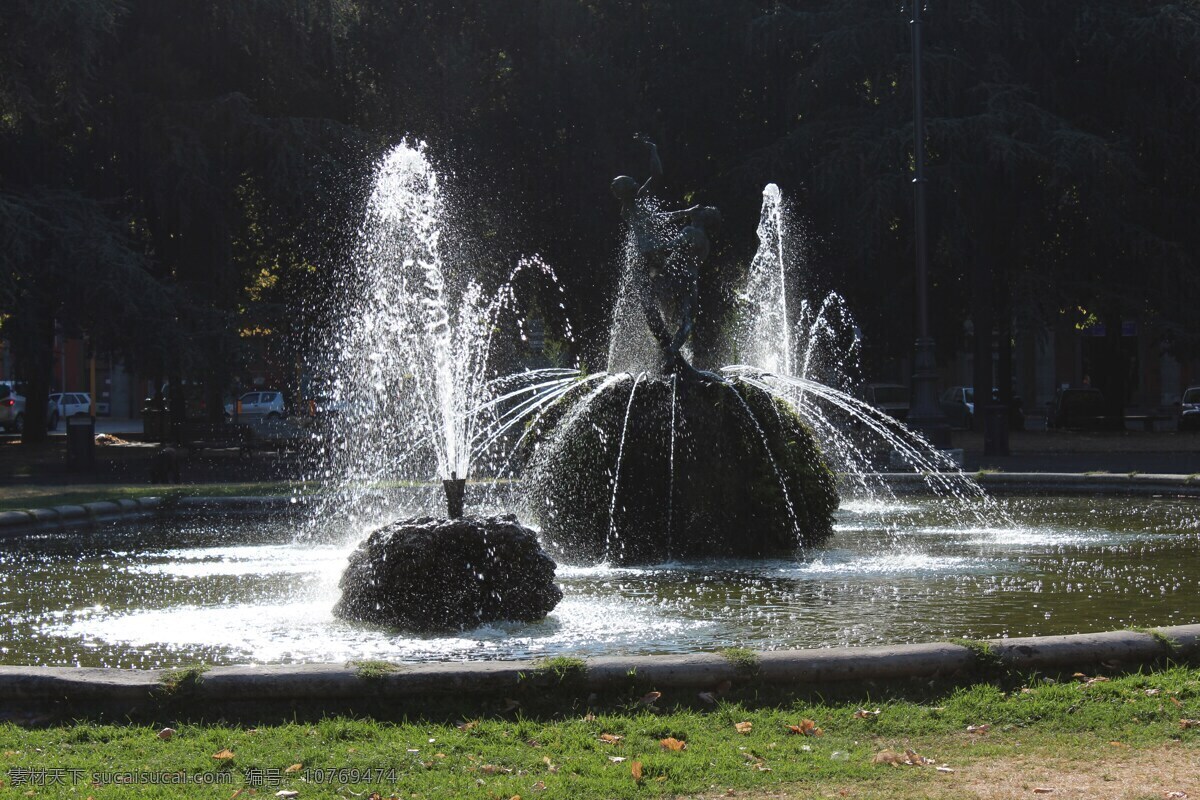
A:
x: 640, y: 475
x: 734, y: 463
x: 414, y: 358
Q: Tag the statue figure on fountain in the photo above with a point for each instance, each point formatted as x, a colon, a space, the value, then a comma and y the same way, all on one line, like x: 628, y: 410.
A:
x: 721, y: 467
x: 670, y: 264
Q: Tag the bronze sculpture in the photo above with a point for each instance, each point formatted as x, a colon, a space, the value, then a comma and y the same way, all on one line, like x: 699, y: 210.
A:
x: 670, y: 266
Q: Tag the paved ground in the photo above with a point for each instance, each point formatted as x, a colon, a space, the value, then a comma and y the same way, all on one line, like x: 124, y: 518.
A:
x: 1156, y: 452
x: 127, y: 460
x: 1159, y: 452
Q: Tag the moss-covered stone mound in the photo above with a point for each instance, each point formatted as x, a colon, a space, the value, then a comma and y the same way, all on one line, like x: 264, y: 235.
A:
x: 706, y: 469
x: 432, y: 575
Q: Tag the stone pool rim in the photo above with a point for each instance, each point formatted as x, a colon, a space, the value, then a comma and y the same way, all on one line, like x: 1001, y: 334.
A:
x: 273, y: 689
x: 37, y: 520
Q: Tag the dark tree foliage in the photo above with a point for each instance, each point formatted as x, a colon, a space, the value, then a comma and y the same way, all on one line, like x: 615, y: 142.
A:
x: 1061, y: 155
x: 177, y: 179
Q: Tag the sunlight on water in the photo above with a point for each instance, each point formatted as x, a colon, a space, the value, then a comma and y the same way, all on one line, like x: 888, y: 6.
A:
x: 242, y: 592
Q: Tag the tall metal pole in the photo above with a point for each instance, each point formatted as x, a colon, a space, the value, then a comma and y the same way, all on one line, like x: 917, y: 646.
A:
x: 924, y: 413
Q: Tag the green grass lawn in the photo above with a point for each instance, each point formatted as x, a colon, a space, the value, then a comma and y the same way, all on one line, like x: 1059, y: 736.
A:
x: 1107, y: 730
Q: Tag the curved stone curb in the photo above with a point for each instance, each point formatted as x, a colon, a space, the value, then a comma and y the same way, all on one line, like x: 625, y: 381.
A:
x: 1069, y: 483
x: 330, y: 687
x: 15, y: 523
x: 1116, y: 647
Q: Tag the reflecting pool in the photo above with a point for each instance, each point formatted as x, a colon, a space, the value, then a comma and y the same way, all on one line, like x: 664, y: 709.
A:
x: 243, y: 591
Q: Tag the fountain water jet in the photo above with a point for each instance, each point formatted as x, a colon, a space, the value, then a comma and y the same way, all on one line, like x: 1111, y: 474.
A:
x: 411, y: 381
x: 413, y: 362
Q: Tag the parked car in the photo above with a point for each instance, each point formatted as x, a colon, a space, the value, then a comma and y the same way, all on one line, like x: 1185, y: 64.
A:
x: 195, y: 401
x: 1189, y: 410
x: 890, y: 398
x: 1081, y: 409
x: 357, y: 408
x: 67, y: 404
x: 958, y: 404
x: 269, y: 405
x: 12, y: 408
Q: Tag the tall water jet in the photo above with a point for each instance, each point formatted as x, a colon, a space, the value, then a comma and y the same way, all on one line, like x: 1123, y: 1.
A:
x: 412, y: 384
x: 765, y: 337
x: 806, y: 354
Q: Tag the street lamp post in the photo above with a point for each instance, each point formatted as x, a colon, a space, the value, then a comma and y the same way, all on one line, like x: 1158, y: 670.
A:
x: 924, y: 413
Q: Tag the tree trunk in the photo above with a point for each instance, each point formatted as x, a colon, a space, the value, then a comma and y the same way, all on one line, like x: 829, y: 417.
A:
x: 1116, y: 370
x: 35, y: 364
x: 982, y: 314
x: 1004, y: 365
x: 177, y: 405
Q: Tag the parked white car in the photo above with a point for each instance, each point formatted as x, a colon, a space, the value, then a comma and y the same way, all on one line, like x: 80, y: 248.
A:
x: 260, y: 404
x: 67, y: 404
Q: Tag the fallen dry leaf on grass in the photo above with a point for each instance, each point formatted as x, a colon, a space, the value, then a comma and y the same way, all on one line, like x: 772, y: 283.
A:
x: 636, y: 770
x: 610, y: 738
x: 979, y: 728
x: 224, y: 755
x: 166, y: 733
x: 671, y: 743
x: 616, y: 759
x: 550, y: 766
x: 757, y: 763
x: 743, y: 727
x: 294, y: 768
x: 862, y: 713
x: 492, y: 769
x: 1175, y: 795
x: 1175, y: 700
x: 539, y: 786
x: 466, y: 726
x: 286, y: 793
x: 909, y: 758
x: 806, y: 728
x: 1189, y: 723
x: 1152, y: 692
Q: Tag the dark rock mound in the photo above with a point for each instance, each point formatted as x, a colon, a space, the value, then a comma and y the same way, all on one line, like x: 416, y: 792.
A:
x: 708, y: 469
x: 430, y: 575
